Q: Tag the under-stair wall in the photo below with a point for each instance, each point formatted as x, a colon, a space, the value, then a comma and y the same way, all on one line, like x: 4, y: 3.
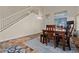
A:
x: 27, y: 26
x: 20, y: 26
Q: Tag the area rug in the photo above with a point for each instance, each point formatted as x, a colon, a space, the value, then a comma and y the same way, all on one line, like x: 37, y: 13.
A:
x: 15, y: 46
x: 16, y: 49
x: 42, y: 48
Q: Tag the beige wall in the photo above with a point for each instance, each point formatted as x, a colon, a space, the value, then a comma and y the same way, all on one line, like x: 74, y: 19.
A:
x: 72, y: 11
x: 27, y: 26
x: 77, y: 21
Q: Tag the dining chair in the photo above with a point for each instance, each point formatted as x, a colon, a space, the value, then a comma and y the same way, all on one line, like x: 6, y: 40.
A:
x: 60, y: 34
x: 64, y: 38
x: 70, y: 28
x: 47, y: 34
x: 50, y: 30
x: 51, y: 33
x: 44, y: 37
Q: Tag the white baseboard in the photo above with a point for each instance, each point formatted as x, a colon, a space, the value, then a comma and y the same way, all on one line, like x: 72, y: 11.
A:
x: 15, y: 37
x: 11, y: 38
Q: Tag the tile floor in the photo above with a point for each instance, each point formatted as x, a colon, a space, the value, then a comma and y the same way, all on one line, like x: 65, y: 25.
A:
x: 30, y: 44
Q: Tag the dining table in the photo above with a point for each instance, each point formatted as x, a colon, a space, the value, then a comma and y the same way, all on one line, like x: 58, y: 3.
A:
x: 58, y: 32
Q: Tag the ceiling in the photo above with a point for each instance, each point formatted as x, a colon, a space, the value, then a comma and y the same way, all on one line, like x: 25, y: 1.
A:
x: 8, y: 10
x: 72, y: 10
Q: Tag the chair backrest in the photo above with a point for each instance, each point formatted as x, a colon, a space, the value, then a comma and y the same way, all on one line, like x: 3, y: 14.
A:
x: 70, y: 27
x: 50, y: 27
x: 50, y: 30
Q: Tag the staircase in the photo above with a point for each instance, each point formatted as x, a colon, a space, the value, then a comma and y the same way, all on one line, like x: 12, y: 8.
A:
x: 14, y: 18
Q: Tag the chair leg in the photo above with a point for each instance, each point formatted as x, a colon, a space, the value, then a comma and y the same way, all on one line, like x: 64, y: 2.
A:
x: 68, y: 42
x: 63, y: 46
x: 63, y: 42
x: 40, y: 38
x: 46, y: 41
x: 43, y: 40
x: 69, y: 47
x: 57, y: 41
